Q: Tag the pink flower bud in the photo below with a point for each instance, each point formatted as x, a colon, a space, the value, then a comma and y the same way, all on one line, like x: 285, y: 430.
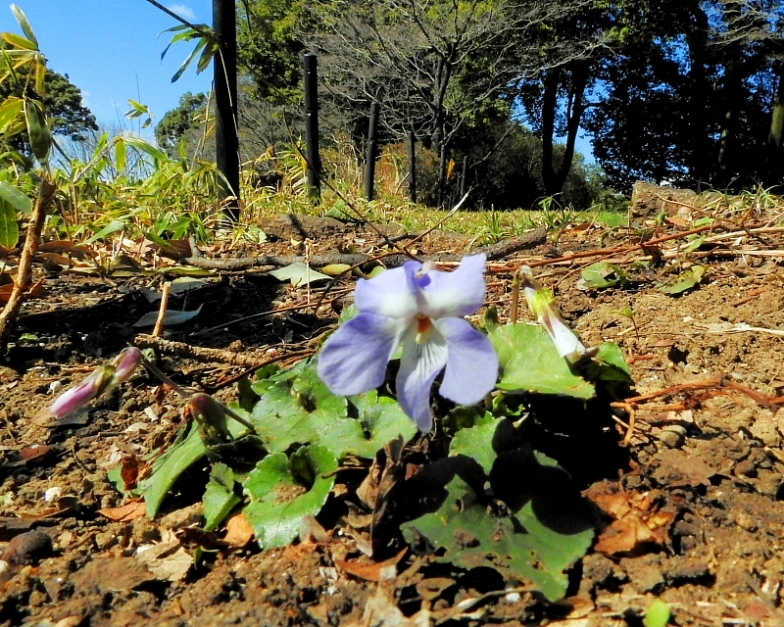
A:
x: 124, y: 364
x: 78, y: 396
x: 100, y: 380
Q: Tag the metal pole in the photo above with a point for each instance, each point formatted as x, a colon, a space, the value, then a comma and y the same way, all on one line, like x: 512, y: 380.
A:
x: 227, y: 148
x: 372, y: 150
x: 412, y: 182
x: 311, y: 125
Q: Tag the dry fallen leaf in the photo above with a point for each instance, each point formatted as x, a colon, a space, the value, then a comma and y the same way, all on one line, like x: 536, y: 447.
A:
x: 125, y: 513
x: 239, y: 531
x: 373, y: 571
x: 637, y: 519
x: 167, y: 559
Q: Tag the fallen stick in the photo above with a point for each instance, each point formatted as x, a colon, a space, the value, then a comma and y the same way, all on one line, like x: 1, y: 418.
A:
x: 493, y: 251
x: 24, y: 273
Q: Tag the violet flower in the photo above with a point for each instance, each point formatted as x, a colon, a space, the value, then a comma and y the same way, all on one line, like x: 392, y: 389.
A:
x: 102, y: 379
x: 421, y: 308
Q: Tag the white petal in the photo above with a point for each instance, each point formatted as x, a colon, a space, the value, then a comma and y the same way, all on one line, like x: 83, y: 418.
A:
x: 419, y: 366
x: 566, y: 342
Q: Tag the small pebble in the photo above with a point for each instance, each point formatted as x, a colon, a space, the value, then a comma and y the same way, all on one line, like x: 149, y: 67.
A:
x: 27, y: 548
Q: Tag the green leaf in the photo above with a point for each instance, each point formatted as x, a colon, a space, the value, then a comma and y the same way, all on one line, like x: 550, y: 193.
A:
x: 15, y: 197
x: 658, y: 614
x: 24, y: 23
x: 519, y: 546
x: 146, y: 147
x: 382, y: 420
x: 613, y: 219
x: 207, y: 55
x: 169, y: 467
x: 282, y: 491
x: 9, y: 226
x: 120, y: 155
x: 199, y: 45
x: 477, y: 442
x: 531, y: 363
x: 112, y: 227
x: 295, y: 407
x: 694, y: 245
x: 603, y: 274
x: 299, y: 274
x: 685, y: 281
x: 37, y: 129
x: 11, y: 116
x: 611, y: 354
x: 219, y: 497
x: 19, y: 42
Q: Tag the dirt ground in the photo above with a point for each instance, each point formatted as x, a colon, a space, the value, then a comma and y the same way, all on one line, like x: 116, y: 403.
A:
x: 690, y: 511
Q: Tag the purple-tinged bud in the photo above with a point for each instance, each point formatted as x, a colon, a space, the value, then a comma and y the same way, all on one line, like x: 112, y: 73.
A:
x: 124, y: 364
x: 78, y: 396
x: 100, y: 380
x: 211, y: 418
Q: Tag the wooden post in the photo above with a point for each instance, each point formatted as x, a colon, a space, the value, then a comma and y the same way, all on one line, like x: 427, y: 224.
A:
x: 372, y: 150
x: 311, y: 126
x: 227, y: 148
x: 463, y: 177
x: 412, y: 182
x: 442, y: 177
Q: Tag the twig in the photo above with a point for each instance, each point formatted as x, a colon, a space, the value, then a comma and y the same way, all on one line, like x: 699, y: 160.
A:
x: 24, y: 274
x: 493, y: 251
x: 162, y: 310
x: 244, y: 360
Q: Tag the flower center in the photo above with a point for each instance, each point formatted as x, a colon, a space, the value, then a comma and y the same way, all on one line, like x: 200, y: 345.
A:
x: 425, y: 328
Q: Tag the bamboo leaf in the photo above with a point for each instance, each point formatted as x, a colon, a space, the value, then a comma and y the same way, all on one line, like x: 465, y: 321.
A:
x: 9, y: 226
x: 146, y: 147
x: 40, y: 76
x: 10, y: 111
x: 18, y: 41
x: 207, y: 55
x: 37, y: 129
x: 24, y: 23
x: 15, y: 198
x: 189, y: 60
x: 120, y: 154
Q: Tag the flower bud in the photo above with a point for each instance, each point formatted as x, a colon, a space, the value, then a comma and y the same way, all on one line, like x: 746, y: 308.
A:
x: 541, y: 302
x: 78, y: 396
x: 99, y: 381
x: 124, y: 364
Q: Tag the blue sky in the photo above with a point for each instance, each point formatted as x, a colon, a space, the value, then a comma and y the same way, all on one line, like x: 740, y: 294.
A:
x: 111, y: 50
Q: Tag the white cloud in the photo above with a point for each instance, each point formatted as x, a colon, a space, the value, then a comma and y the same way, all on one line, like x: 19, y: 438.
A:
x: 183, y: 10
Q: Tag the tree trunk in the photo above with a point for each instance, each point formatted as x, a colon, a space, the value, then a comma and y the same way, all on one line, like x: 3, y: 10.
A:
x: 554, y: 177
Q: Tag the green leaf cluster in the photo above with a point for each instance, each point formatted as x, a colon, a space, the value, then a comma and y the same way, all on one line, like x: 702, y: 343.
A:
x: 527, y: 523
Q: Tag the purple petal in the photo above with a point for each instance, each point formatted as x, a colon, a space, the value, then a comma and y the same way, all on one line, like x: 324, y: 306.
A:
x: 354, y: 359
x: 78, y: 396
x: 419, y: 366
x: 472, y: 363
x: 125, y: 363
x: 389, y: 294
x: 453, y: 294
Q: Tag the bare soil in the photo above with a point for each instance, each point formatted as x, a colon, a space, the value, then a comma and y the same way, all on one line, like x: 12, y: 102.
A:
x: 690, y: 510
